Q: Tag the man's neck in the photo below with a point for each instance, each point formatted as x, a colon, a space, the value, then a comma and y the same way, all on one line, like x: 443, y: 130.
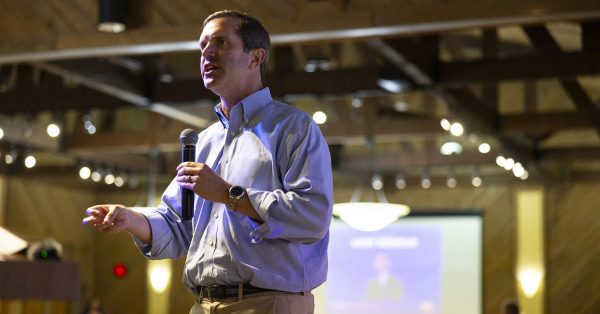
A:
x: 228, y: 102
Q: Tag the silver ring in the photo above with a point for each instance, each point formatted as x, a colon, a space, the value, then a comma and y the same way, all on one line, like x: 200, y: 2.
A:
x: 189, y: 178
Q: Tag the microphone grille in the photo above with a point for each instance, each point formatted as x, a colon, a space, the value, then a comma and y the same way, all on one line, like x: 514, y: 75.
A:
x: 188, y: 137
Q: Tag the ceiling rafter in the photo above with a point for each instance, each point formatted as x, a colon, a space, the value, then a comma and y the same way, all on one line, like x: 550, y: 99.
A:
x: 480, y: 115
x: 118, y: 85
x: 544, y: 43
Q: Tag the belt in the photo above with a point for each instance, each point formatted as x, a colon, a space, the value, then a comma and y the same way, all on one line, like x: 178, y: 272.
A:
x: 228, y: 291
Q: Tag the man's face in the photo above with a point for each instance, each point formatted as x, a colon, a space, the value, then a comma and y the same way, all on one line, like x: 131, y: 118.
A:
x: 224, y: 65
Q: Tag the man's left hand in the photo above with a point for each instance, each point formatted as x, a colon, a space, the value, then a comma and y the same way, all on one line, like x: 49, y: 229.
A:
x: 201, y: 179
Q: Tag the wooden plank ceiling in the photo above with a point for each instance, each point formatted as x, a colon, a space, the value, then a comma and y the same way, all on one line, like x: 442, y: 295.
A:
x: 524, y: 77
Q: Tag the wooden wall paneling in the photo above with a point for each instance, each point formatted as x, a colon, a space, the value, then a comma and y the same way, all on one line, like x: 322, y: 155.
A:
x: 37, y: 209
x: 573, y: 278
x: 127, y: 294
x: 180, y: 300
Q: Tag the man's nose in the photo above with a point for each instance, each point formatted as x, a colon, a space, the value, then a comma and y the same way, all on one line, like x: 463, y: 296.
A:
x: 209, y: 50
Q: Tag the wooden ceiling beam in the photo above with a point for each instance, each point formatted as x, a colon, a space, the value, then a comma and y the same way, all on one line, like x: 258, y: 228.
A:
x: 531, y: 67
x: 51, y: 93
x: 346, y: 25
x: 137, y: 91
x: 390, y: 129
x: 543, y: 41
x: 340, y: 81
x: 542, y: 123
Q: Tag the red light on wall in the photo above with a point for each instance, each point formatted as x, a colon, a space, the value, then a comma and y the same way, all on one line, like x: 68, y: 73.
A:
x: 120, y: 270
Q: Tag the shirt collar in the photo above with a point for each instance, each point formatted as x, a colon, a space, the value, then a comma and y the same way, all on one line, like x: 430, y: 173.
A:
x: 248, y: 106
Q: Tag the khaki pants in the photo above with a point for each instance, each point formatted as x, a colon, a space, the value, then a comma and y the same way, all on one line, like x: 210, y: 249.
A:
x: 259, y: 303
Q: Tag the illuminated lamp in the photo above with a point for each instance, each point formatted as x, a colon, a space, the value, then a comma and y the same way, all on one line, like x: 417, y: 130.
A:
x: 112, y: 15
x: 369, y: 216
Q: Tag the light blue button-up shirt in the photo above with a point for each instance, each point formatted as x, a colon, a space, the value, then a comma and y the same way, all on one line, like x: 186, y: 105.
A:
x: 279, y: 155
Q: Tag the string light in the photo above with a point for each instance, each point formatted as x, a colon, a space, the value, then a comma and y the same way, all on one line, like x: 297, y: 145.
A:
x: 85, y: 172
x: 53, y: 130
x: 10, y: 157
x: 377, y: 182
x: 475, y: 178
x: 400, y: 181
x: 96, y: 175
x: 425, y: 181
x: 456, y: 129
x: 30, y: 161
x: 450, y: 179
x: 319, y: 117
x: 484, y: 148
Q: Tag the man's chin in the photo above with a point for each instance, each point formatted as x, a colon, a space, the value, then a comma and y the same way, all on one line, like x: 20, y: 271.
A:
x: 212, y: 85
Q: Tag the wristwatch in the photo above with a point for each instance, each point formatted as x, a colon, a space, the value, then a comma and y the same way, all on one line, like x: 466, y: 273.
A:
x: 236, y: 192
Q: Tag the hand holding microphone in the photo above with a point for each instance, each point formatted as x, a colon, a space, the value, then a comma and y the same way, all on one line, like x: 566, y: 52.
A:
x: 188, y: 139
x: 197, y: 177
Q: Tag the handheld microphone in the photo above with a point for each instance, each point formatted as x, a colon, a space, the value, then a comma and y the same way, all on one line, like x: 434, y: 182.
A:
x: 188, y: 139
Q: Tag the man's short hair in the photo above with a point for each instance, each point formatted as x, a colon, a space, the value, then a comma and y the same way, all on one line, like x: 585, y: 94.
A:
x: 253, y: 34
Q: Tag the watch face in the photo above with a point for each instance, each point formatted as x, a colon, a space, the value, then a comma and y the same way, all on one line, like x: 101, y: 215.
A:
x: 236, y: 191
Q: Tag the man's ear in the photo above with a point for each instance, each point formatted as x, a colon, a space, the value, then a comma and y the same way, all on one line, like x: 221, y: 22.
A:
x: 258, y: 57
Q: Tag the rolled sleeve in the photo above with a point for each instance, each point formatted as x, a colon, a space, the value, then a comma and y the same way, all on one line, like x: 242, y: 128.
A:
x: 301, y: 211
x: 171, y: 236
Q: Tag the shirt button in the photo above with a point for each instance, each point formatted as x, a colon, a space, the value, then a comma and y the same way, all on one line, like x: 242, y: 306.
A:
x: 216, y: 215
x: 211, y: 243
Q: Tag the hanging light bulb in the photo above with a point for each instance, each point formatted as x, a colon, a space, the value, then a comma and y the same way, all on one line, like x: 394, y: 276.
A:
x: 500, y: 160
x: 445, y: 124
x: 11, y: 157
x: 509, y: 163
x: 319, y: 117
x: 476, y: 178
x: 456, y: 129
x: 120, y: 179
x: 109, y: 178
x: 53, y: 129
x: 1, y: 133
x: 85, y: 172
x: 484, y: 148
x: 377, y: 182
x: 450, y: 179
x: 525, y: 175
x: 400, y: 181
x: 518, y: 170
x: 88, y: 124
x: 356, y: 102
x: 30, y: 161
x: 96, y: 175
x: 425, y: 181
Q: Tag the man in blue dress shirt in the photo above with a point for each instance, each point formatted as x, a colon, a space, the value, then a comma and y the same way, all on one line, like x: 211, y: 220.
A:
x: 263, y: 189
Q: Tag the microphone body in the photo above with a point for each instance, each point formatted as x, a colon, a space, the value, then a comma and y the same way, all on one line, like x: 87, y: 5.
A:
x: 188, y: 141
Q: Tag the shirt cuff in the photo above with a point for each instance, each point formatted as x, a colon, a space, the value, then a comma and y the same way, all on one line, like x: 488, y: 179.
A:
x: 261, y: 201
x: 158, y: 231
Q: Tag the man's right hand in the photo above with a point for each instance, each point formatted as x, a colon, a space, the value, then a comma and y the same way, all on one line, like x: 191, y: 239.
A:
x: 118, y: 218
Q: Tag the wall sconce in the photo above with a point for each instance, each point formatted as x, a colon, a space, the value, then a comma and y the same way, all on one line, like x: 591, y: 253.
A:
x: 112, y: 15
x: 530, y: 280
x: 159, y: 272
